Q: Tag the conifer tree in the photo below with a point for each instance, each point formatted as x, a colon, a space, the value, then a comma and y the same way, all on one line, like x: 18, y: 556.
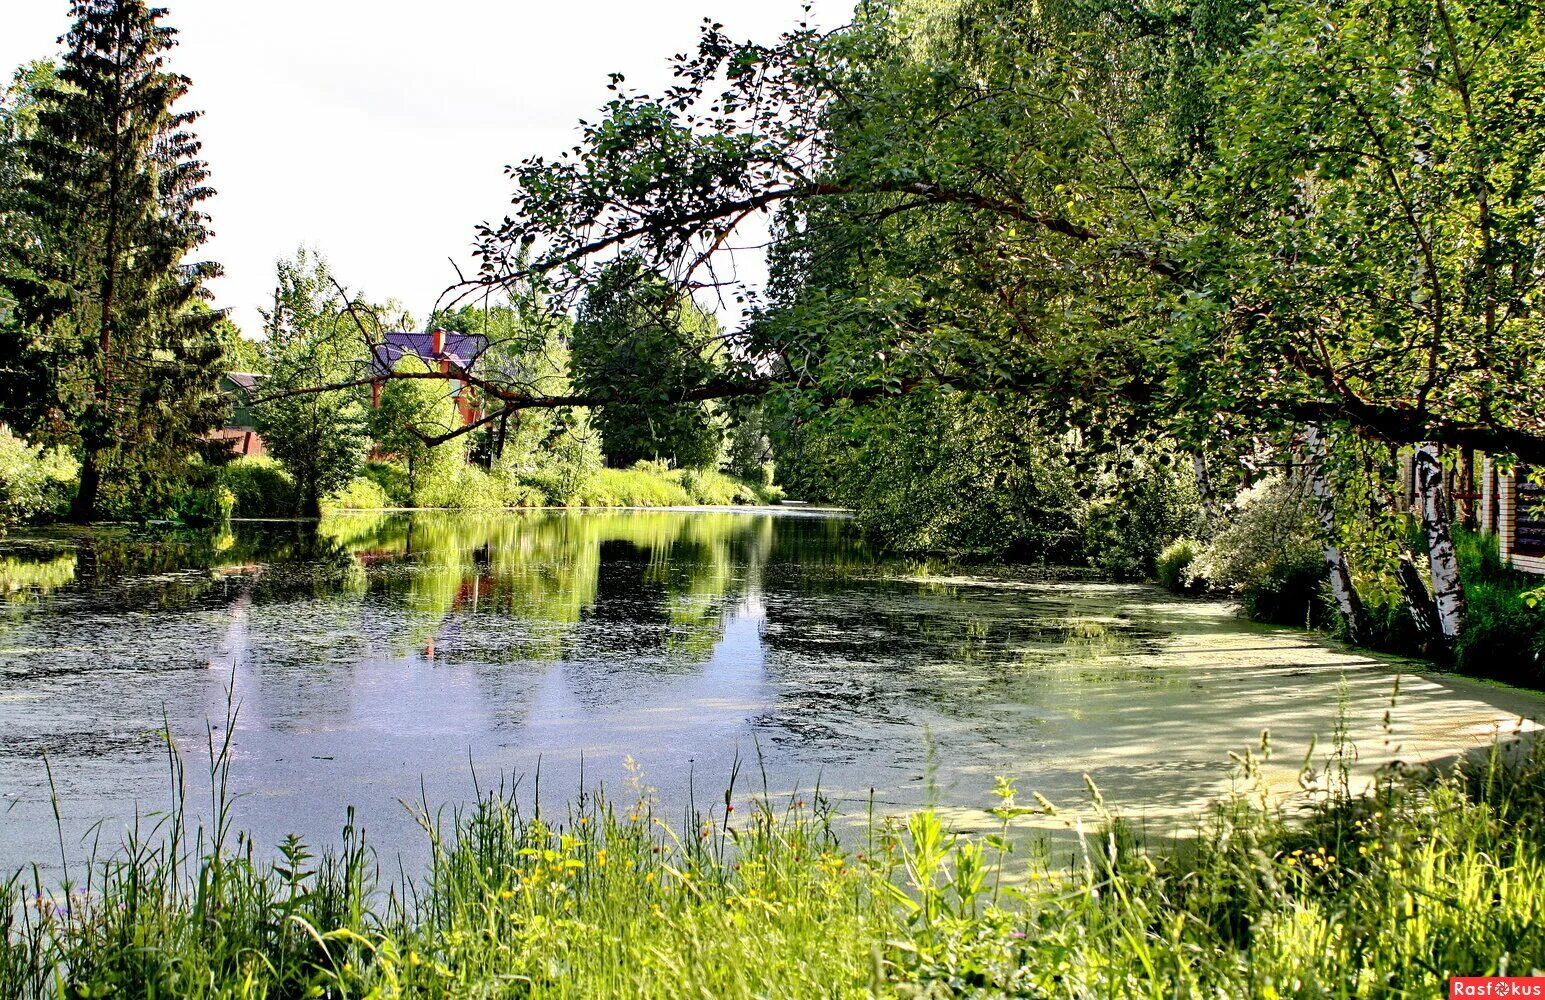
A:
x: 117, y: 353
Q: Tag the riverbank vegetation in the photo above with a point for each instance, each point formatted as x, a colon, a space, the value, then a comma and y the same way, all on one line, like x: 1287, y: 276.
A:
x: 1045, y: 284
x: 1390, y: 891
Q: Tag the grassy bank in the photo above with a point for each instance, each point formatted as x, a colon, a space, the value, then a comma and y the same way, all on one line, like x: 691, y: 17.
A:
x: 261, y: 488
x: 1381, y: 894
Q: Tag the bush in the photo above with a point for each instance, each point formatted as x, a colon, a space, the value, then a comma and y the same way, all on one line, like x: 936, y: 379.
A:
x: 644, y: 485
x: 362, y: 493
x: 1154, y: 503
x: 393, y: 481
x: 1503, y: 638
x: 259, y: 487
x: 1174, y: 566
x: 713, y: 488
x: 34, y: 482
x: 213, y: 504
x: 521, y: 492
x: 1272, y: 556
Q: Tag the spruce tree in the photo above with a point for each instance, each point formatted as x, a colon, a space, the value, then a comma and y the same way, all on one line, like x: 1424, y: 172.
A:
x: 116, y: 351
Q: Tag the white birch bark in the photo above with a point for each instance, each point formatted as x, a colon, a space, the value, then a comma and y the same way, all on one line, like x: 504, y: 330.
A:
x: 1448, y: 592
x: 1335, y: 559
x: 1424, y: 614
x: 1204, y: 491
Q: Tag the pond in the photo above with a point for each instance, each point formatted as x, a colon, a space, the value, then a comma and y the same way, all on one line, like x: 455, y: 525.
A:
x: 381, y: 659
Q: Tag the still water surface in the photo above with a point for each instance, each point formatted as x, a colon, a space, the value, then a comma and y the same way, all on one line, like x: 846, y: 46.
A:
x: 377, y: 659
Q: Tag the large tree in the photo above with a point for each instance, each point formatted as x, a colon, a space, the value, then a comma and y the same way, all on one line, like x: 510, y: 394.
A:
x: 320, y: 437
x: 107, y: 349
x: 637, y: 332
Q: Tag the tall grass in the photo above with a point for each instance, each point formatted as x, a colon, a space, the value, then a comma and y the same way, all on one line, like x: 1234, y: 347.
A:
x: 1384, y: 893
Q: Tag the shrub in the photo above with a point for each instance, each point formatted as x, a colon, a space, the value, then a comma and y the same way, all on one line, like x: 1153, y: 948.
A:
x: 552, y: 486
x: 710, y: 487
x: 1155, y: 502
x: 393, y: 481
x: 521, y: 492
x: 213, y: 504
x: 459, y: 487
x: 644, y: 485
x: 34, y: 482
x: 1503, y: 637
x: 1272, y: 556
x: 362, y: 493
x: 259, y: 487
x: 1174, y: 565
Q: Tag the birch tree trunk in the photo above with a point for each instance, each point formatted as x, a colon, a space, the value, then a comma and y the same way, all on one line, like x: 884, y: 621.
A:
x: 1424, y: 613
x: 1335, y: 559
x: 1448, y: 591
x: 1204, y: 491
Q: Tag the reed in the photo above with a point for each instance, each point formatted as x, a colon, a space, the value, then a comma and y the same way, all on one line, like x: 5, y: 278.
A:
x: 1383, y: 893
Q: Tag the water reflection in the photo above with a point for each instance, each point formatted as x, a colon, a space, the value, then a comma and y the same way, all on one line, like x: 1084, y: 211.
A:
x: 374, y: 656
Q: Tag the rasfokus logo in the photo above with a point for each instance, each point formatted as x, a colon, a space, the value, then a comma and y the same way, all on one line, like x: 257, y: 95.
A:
x: 1496, y: 986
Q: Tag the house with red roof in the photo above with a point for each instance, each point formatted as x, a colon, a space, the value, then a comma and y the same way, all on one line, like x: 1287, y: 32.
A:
x: 456, y: 354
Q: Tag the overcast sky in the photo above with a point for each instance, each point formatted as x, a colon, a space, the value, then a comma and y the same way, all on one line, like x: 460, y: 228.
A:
x: 377, y: 130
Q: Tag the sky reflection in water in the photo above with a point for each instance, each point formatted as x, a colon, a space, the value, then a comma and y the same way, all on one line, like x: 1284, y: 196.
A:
x: 378, y: 658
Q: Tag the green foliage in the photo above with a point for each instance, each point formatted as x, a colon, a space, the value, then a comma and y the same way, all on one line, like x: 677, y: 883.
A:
x: 242, y: 353
x: 748, y: 452
x: 409, y: 411
x: 34, y: 482
x: 214, y: 503
x: 459, y: 486
x: 1174, y: 565
x: 1480, y: 558
x: 1148, y: 503
x: 957, y: 474
x: 260, y: 487
x: 526, y: 346
x: 392, y: 479
x: 564, y: 464
x: 108, y: 346
x: 1271, y: 553
x: 362, y: 493
x: 1389, y: 892
x: 644, y: 485
x: 636, y: 333
x: 1503, y: 637
x: 320, y: 437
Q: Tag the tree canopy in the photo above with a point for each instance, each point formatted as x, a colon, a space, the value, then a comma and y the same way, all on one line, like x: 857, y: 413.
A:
x: 1221, y: 222
x: 109, y: 346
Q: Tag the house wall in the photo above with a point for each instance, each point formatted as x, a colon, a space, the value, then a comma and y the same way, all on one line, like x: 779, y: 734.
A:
x: 246, y: 443
x: 1507, y: 522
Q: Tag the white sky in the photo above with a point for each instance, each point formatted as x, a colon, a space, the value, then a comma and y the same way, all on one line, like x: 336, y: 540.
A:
x: 377, y: 130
